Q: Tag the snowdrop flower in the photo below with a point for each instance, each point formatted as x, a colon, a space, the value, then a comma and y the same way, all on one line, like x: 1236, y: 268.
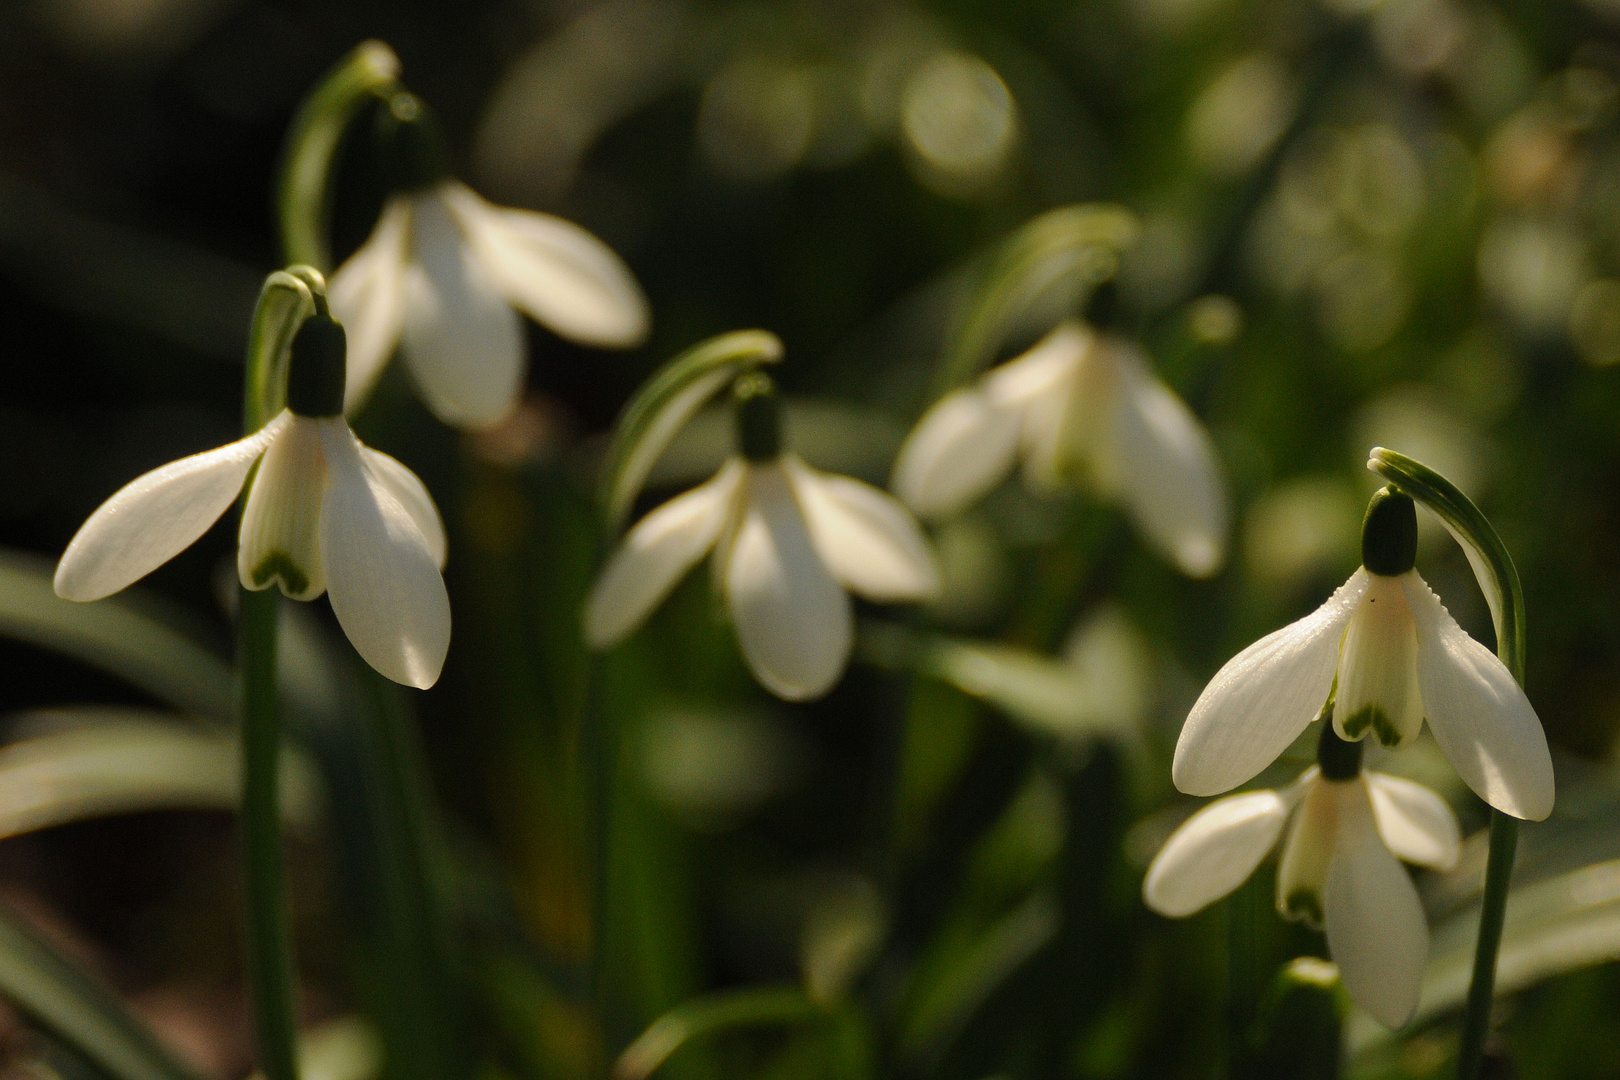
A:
x: 1078, y: 406
x: 323, y: 514
x: 1395, y: 656
x: 788, y: 541
x: 1339, y: 869
x: 443, y: 271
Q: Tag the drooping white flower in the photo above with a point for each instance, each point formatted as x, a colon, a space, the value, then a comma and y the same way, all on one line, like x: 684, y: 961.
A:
x: 1079, y: 406
x: 788, y: 541
x: 1340, y: 871
x: 1392, y: 656
x: 324, y: 514
x: 441, y: 275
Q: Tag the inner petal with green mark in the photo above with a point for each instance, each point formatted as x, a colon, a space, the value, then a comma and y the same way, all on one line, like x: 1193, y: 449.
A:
x: 1309, y: 848
x: 1377, y: 677
x: 280, y: 542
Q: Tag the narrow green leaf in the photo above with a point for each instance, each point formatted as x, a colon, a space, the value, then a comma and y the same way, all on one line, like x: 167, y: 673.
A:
x: 667, y: 401
x: 1492, y: 565
x: 709, y: 1015
x: 1051, y: 261
x: 302, y: 190
x: 118, y: 635
x: 78, y: 1010
x: 950, y: 1001
x: 100, y: 760
x: 1098, y: 688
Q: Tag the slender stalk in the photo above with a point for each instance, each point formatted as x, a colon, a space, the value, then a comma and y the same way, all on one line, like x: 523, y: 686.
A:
x: 1482, y: 988
x: 283, y: 303
x: 269, y: 935
x: 303, y: 189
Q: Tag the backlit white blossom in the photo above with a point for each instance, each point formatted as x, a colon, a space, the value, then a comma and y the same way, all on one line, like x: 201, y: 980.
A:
x: 1340, y: 871
x: 440, y: 277
x: 1397, y: 657
x: 1078, y: 407
x: 787, y: 542
x: 323, y: 514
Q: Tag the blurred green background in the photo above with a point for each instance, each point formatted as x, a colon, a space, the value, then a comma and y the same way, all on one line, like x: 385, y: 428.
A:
x: 1363, y: 224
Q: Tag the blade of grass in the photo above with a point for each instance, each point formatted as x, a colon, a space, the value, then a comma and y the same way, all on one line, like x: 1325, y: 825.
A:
x: 78, y: 1010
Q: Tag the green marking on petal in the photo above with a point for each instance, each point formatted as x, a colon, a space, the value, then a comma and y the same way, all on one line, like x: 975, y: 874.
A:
x: 1367, y: 718
x: 1304, y: 905
x: 1384, y: 728
x: 279, y: 565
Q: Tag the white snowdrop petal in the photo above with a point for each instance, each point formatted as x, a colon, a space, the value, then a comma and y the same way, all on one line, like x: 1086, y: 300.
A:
x: 1308, y: 852
x: 869, y: 540
x: 280, y: 539
x: 381, y: 575
x: 1070, y: 431
x: 463, y: 342
x: 793, y: 620
x: 959, y: 450
x: 1042, y: 371
x: 559, y: 274
x: 1263, y: 698
x: 1213, y: 852
x: 1416, y: 824
x: 156, y: 516
x: 657, y: 553
x: 1378, y: 684
x: 1169, y: 476
x: 1478, y: 713
x: 412, y: 494
x: 1376, y: 931
x: 367, y: 296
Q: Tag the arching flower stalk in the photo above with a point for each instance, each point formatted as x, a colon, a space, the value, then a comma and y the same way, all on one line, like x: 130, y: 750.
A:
x: 324, y: 514
x: 1347, y: 832
x: 1396, y: 657
x: 444, y: 275
x: 787, y: 542
x: 1079, y: 407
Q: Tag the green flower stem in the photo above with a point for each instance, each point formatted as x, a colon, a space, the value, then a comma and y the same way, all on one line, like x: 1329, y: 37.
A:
x: 1499, y: 579
x: 286, y: 299
x: 1482, y: 985
x: 269, y: 935
x: 369, y: 72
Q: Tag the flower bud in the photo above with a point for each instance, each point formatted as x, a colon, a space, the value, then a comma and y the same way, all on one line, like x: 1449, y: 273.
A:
x: 410, y: 144
x: 758, y: 413
x: 1389, y: 533
x: 315, y: 372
